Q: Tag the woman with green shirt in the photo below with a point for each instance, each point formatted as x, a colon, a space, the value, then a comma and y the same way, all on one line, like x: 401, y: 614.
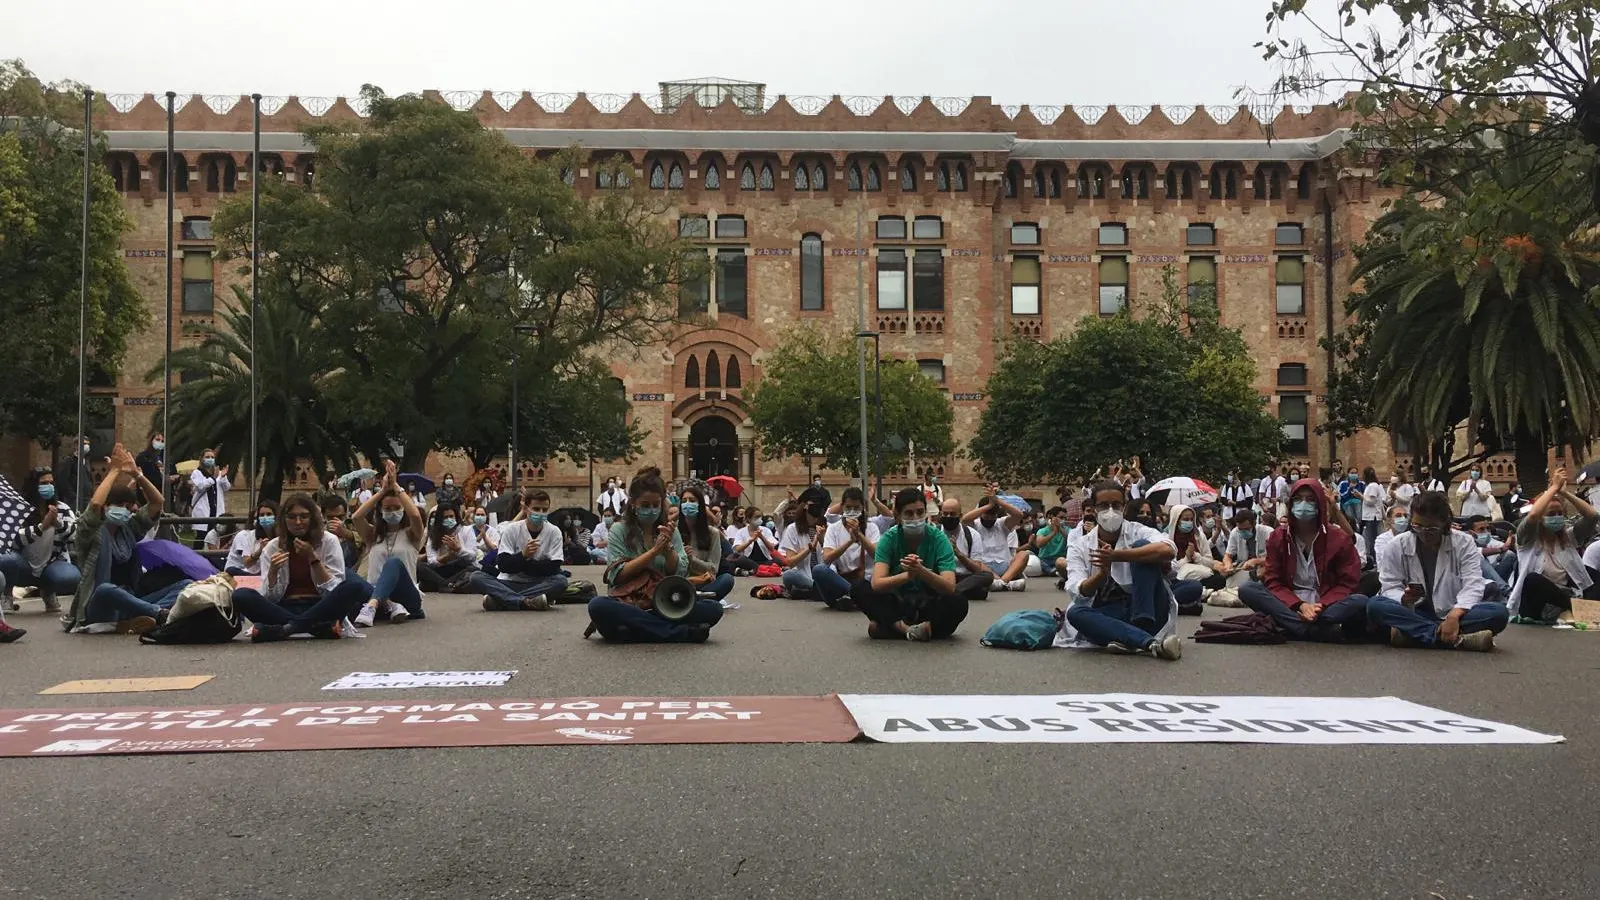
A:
x: 641, y: 550
x: 912, y: 591
x: 1051, y: 544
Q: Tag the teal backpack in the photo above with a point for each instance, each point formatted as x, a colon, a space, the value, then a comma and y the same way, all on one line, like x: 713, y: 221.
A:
x: 1025, y: 629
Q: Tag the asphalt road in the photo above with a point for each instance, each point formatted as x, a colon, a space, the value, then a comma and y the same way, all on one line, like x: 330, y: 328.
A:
x: 856, y: 820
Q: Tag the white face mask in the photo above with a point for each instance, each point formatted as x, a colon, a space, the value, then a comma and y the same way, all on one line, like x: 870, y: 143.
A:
x: 1109, y: 519
x: 914, y: 526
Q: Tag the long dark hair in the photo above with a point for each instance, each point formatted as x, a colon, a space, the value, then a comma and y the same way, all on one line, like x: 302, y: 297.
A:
x: 255, y: 515
x: 313, y: 534
x: 436, y: 530
x: 30, y: 493
x: 380, y: 528
x: 697, y: 532
x: 646, y: 481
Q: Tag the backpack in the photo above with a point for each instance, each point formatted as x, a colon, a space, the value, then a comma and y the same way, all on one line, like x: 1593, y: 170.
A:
x: 576, y: 592
x: 202, y: 614
x: 1024, y: 629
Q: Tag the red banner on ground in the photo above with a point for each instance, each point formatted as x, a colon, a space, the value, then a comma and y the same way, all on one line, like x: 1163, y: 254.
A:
x: 377, y: 724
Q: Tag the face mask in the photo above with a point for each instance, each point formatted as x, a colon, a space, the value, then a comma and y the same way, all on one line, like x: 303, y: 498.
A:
x: 988, y: 521
x: 950, y: 522
x: 1211, y: 523
x: 1351, y: 478
x: 449, y: 481
x: 394, y: 516
x: 1554, y: 523
x: 690, y: 509
x: 1401, y: 524
x: 935, y: 479
x: 449, y: 524
x: 1482, y: 539
x: 1304, y: 510
x: 914, y: 527
x: 1475, y: 474
x: 208, y: 462
x: 537, y: 519
x: 647, y: 514
x: 817, y: 483
x: 610, y: 485
x: 158, y: 445
x: 86, y: 448
x: 852, y: 514
x: 1186, y: 527
x: 47, y: 492
x: 119, y: 514
x: 1109, y: 519
x: 266, y: 522
x: 606, y: 521
x: 484, y: 520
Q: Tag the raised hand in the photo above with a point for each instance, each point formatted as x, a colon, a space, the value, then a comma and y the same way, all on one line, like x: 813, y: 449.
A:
x: 121, y: 460
x: 279, y: 560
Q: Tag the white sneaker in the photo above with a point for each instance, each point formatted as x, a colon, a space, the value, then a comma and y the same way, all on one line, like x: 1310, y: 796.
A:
x: 1021, y: 584
x: 365, y: 617
x: 999, y: 586
x: 397, y: 613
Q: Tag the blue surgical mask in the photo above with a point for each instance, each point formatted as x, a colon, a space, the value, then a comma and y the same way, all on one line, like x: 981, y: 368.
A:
x: 1304, y: 509
x: 119, y: 514
x: 394, y: 516
x: 480, y: 520
x: 606, y: 521
x: 1483, y: 539
x: 158, y: 445
x: 208, y: 462
x: 448, y: 523
x: 47, y: 492
x: 1401, y: 524
x: 647, y: 514
x: 267, y: 522
x: 1185, y: 527
x: 537, y: 519
x: 1554, y: 523
x: 690, y: 509
x: 914, y: 527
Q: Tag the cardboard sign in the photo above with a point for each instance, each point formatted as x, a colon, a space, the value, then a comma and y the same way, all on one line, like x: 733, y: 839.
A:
x: 373, y: 681
x: 128, y: 685
x: 376, y: 724
x: 1144, y: 718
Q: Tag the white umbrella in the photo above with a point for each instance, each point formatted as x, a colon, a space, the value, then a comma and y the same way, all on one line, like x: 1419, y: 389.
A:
x: 1181, y: 491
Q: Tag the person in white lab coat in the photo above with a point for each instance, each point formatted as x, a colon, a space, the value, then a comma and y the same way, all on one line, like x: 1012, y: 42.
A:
x: 1432, y: 592
x: 211, y: 485
x: 1477, y: 496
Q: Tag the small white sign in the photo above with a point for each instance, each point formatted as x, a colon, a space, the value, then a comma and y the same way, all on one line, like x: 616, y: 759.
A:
x: 372, y: 681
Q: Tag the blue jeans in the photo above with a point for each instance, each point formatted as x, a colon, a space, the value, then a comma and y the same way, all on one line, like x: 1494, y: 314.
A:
x: 1187, y: 593
x: 597, y: 556
x: 1421, y: 623
x: 1494, y: 576
x: 301, y: 616
x: 394, y: 583
x: 621, y: 622
x: 1131, y: 618
x: 512, y: 593
x: 1343, y: 621
x: 831, y: 587
x: 719, y: 587
x: 1047, y: 567
x: 110, y: 603
x: 59, y: 577
x: 799, y: 580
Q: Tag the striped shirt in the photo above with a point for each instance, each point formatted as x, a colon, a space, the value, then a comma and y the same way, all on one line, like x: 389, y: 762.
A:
x: 66, y: 528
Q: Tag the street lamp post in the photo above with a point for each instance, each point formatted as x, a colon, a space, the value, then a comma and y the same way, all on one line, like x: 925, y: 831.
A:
x: 877, y: 377
x: 516, y: 353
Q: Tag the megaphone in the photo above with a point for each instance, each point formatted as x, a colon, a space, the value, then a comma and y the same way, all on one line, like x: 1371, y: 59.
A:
x: 674, y: 598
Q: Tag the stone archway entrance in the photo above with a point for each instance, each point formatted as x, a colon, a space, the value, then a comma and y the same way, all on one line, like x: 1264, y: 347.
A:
x: 713, y: 447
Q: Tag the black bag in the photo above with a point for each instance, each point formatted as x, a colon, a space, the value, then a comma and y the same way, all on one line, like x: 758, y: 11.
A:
x: 208, y: 626
x: 576, y: 592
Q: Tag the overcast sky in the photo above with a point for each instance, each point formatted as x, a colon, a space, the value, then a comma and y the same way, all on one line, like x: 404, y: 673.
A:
x: 1177, y: 52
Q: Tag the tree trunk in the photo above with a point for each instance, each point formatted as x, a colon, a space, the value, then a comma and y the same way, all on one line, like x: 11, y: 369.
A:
x: 1532, y: 456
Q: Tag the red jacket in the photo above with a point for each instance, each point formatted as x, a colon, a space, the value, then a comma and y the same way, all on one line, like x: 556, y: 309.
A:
x: 1338, y: 565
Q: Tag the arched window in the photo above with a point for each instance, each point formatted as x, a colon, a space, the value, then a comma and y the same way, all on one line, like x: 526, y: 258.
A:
x: 713, y: 177
x: 959, y: 181
x: 1010, y: 183
x: 747, y: 178
x: 941, y: 181
x: 1038, y: 182
x: 308, y: 171
x: 852, y: 177
x: 734, y: 379
x: 713, y: 370
x: 180, y: 174
x: 874, y: 179
x: 767, y: 181
x: 658, y: 177
x: 1135, y: 183
x: 603, y: 179
x: 691, y: 373
x: 908, y: 178
x: 221, y: 174
x: 802, y: 181
x: 675, y: 178
x: 1303, y: 183
x: 1055, y: 183
x: 568, y: 177
x: 624, y: 176
x: 811, y: 272
x: 1092, y: 182
x: 819, y: 178
x: 1230, y: 185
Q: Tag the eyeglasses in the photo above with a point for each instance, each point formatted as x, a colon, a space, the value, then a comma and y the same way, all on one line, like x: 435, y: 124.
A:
x: 297, y: 517
x: 1427, y: 530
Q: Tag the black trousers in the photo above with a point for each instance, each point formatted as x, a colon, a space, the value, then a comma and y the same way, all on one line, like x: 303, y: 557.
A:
x: 1542, y: 598
x: 943, y: 611
x: 974, y: 586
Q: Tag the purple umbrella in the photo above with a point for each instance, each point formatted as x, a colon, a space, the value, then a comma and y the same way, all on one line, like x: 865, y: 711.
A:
x: 155, y: 554
x: 423, y: 482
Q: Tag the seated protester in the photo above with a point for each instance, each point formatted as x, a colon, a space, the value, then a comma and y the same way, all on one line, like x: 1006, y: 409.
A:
x: 415, y: 494
x: 1312, y: 570
x: 754, y: 540
x: 487, y: 539
x: 703, y: 544
x: 576, y: 539
x: 1433, y: 586
x: 1145, y: 513
x: 1549, y: 570
x: 885, y: 519
x: 1246, y: 555
x: 973, y: 578
x: 244, y: 554
x: 1351, y: 493
x: 530, y: 560
x: 800, y: 548
x: 108, y: 530
x: 452, y: 551
x: 1395, y: 523
x: 736, y: 534
x: 643, y: 550
x: 1117, y: 576
x: 599, y: 538
x: 334, y: 513
x: 1489, y: 550
x: 1214, y: 529
x: 304, y: 590
x: 391, y: 526
x: 995, y: 521
x: 1050, y: 544
x: 1591, y: 559
x: 1194, y: 569
x: 912, y: 593
x: 848, y: 548
x: 39, y: 556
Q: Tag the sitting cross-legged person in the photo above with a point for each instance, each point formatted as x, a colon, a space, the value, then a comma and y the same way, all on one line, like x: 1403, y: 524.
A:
x: 1117, y: 576
x: 244, y: 553
x: 996, y: 523
x: 847, y: 551
x: 1311, y: 575
x: 700, y: 527
x: 912, y: 594
x: 1195, y: 569
x: 1433, y: 585
x: 973, y: 577
x: 642, y: 550
x: 41, y: 556
x: 304, y: 590
x: 530, y: 559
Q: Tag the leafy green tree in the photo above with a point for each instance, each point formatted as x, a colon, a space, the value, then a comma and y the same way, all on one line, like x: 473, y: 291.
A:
x: 1172, y: 385
x: 570, y: 411
x: 41, y: 191
x: 294, y: 421
x: 807, y: 401
x: 426, y: 243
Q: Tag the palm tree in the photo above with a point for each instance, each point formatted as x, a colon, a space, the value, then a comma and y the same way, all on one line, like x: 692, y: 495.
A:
x: 212, y: 408
x: 1485, y: 317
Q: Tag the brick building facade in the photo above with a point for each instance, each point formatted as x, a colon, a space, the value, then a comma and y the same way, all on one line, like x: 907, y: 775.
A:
x: 977, y: 223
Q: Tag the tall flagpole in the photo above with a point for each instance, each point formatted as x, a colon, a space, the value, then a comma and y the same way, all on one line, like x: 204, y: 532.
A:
x: 255, y: 293
x: 83, y: 302
x: 166, y: 360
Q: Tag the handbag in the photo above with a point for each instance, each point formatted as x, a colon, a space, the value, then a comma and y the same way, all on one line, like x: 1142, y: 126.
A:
x: 640, y: 590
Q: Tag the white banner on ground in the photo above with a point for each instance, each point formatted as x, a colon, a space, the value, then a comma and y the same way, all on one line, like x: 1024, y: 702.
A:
x: 1156, y: 718
x: 371, y: 681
